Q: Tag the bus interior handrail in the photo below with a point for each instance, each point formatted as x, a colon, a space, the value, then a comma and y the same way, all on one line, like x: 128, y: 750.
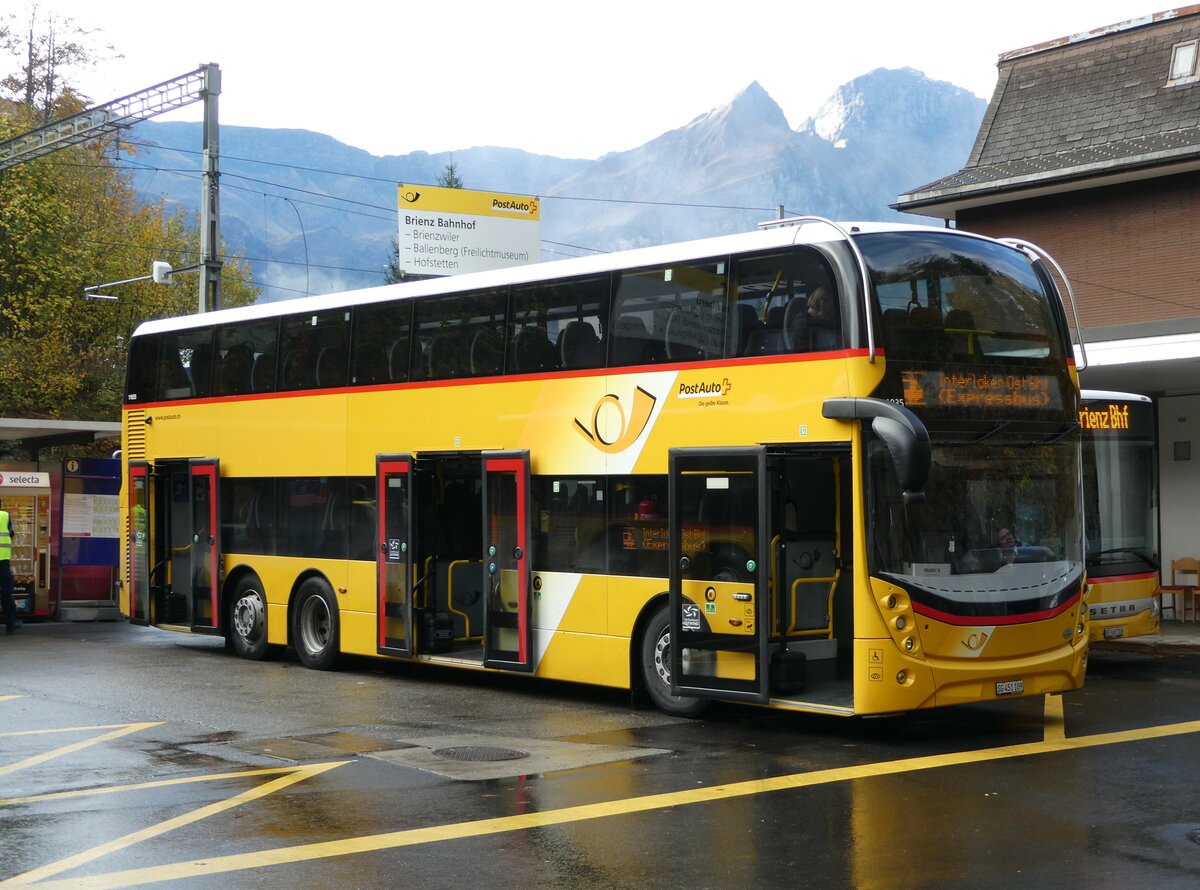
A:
x: 858, y: 258
x: 1028, y: 247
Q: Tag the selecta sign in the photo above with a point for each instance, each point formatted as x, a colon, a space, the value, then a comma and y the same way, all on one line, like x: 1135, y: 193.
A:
x: 447, y: 231
x: 24, y: 480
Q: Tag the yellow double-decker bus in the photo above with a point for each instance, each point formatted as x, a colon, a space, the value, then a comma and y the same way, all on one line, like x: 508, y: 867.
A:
x: 769, y: 468
x: 1120, y: 488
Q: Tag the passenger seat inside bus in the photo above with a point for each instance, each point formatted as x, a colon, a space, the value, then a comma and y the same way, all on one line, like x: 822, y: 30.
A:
x: 748, y: 327
x: 200, y: 369
x: 487, y: 353
x: 578, y: 345
x: 683, y: 335
x: 532, y: 351
x: 767, y: 339
x: 446, y: 359
x: 370, y: 365
x: 331, y: 367
x: 960, y: 326
x: 631, y: 342
x: 398, y: 360
x: 263, y: 375
x: 236, y: 370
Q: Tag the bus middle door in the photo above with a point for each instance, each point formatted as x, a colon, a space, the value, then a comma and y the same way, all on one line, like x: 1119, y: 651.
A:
x: 718, y: 551
x: 394, y: 479
x: 508, y: 613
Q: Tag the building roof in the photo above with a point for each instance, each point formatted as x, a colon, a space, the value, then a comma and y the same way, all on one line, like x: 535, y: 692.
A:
x: 39, y: 434
x: 1078, y: 112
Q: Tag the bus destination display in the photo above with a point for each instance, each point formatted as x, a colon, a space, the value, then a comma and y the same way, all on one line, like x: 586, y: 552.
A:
x: 951, y: 388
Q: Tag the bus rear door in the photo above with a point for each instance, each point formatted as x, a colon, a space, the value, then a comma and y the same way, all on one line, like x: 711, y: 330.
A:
x: 394, y: 481
x: 718, y: 591
x: 508, y: 626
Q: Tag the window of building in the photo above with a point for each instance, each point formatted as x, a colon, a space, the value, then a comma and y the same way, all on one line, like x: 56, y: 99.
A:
x: 1183, y: 62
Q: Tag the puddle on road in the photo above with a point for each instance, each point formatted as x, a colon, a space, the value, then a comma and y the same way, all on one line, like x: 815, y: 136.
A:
x: 543, y: 756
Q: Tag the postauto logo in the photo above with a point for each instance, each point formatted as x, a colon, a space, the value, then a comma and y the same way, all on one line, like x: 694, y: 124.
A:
x: 623, y: 429
x: 704, y: 390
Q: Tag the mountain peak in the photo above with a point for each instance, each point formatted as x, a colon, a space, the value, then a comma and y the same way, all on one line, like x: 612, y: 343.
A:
x: 754, y: 103
x: 902, y: 100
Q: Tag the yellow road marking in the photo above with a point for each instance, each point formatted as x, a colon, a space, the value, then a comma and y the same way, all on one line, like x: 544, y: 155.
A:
x: 10, y: 697
x: 479, y: 828
x: 1055, y: 726
x: 118, y: 730
x: 143, y: 786
x: 298, y: 774
x: 61, y: 729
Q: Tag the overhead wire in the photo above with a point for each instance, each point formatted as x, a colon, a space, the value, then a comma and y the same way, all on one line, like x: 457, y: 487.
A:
x: 130, y: 162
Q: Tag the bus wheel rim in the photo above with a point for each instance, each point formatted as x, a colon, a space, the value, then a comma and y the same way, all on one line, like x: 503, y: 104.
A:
x: 314, y: 624
x: 248, y: 616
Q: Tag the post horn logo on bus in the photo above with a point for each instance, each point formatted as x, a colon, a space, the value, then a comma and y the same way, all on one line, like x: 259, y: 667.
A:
x: 611, y: 431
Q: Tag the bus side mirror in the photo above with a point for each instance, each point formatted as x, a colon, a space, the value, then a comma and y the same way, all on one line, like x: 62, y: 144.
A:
x: 901, y: 431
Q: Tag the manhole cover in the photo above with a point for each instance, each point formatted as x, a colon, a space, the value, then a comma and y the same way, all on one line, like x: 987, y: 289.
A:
x: 479, y: 753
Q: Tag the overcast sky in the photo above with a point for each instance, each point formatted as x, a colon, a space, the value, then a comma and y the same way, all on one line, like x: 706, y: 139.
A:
x: 559, y: 78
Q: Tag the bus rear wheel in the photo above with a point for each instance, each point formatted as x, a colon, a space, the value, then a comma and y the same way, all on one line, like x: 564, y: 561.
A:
x: 248, y: 620
x: 656, y: 669
x: 315, y: 627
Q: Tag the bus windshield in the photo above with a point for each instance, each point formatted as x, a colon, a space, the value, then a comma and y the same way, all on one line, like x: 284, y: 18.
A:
x: 946, y: 295
x: 998, y: 535
x: 1119, y: 486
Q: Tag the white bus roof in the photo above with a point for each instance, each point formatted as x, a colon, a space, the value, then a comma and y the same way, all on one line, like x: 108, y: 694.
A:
x: 1090, y: 394
x: 806, y: 231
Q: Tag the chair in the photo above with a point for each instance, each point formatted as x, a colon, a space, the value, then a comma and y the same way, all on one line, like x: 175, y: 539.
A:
x: 1181, y: 590
x: 578, y: 345
x: 235, y: 371
x: 331, y: 367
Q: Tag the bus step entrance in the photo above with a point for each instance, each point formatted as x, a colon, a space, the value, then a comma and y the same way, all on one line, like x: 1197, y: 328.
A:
x: 436, y: 631
x: 788, y: 671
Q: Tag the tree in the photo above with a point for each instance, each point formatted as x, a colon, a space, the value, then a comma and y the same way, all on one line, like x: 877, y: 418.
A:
x: 447, y: 179
x: 68, y: 220
x: 49, y: 53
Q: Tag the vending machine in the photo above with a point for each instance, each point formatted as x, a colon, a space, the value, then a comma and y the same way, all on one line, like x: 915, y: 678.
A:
x: 25, y: 496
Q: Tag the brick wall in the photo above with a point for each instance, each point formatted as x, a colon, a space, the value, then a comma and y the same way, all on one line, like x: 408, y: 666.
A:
x: 1132, y: 251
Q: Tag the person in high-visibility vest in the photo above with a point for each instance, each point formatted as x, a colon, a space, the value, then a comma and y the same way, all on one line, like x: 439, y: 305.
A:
x: 11, y: 623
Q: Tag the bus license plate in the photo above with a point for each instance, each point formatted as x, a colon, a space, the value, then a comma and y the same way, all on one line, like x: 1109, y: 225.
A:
x: 1112, y: 633
x: 1010, y: 687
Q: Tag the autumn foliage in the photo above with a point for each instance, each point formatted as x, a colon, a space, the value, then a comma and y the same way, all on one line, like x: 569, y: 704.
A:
x: 69, y: 220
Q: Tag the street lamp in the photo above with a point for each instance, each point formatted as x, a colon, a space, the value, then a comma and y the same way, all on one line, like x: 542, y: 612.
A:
x: 160, y: 273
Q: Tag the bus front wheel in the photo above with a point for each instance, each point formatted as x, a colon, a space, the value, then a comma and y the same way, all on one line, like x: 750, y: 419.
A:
x: 656, y: 669
x: 315, y: 625
x: 248, y: 620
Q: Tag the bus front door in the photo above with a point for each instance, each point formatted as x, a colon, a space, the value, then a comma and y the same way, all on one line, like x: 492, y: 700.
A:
x: 718, y: 589
x: 394, y: 482
x: 175, y: 559
x: 508, y: 627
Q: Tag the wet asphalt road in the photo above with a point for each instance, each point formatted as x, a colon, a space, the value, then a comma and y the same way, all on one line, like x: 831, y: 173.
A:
x: 132, y: 756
